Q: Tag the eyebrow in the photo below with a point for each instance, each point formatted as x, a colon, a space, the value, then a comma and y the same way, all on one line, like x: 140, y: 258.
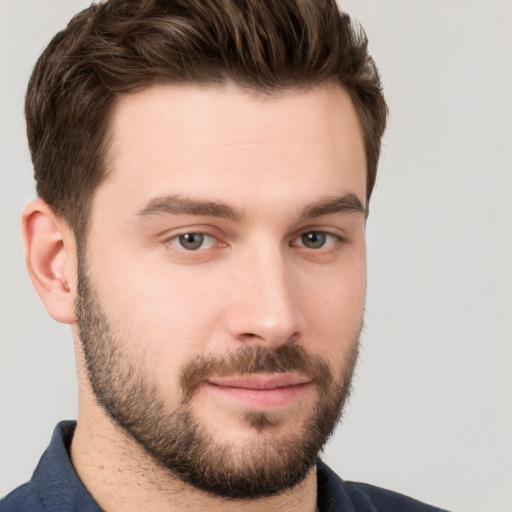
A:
x: 346, y: 203
x: 179, y: 205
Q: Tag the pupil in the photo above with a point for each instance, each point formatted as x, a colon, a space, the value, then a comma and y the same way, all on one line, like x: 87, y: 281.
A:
x: 313, y: 240
x: 191, y: 241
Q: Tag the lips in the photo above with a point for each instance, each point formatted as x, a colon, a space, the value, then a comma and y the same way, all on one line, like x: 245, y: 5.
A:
x: 261, y: 382
x: 260, y: 391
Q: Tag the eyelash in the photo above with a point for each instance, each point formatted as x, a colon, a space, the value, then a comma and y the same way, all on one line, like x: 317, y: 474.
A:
x: 175, y: 240
x: 330, y: 240
x: 334, y: 239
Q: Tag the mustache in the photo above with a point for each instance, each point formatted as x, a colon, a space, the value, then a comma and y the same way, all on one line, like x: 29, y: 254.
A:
x: 255, y: 359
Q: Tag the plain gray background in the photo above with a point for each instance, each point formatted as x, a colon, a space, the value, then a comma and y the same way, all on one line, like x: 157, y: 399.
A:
x: 431, y: 412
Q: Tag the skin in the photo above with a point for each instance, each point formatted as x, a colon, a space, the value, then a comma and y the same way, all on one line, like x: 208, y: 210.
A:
x: 254, y: 281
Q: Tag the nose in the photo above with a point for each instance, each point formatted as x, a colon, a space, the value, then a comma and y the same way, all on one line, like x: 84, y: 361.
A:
x: 262, y: 306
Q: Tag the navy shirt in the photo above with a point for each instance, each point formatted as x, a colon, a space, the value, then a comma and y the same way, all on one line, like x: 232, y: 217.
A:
x: 55, y: 487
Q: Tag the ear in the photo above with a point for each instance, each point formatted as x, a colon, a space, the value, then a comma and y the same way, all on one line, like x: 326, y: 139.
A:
x: 50, y: 255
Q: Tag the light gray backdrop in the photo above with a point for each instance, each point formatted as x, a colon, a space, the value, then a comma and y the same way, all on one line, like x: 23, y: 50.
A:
x: 431, y: 412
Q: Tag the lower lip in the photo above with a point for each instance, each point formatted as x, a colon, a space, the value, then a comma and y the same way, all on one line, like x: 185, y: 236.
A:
x: 260, y: 399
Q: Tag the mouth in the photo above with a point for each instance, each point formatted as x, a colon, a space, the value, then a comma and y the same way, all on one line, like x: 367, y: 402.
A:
x: 260, y: 391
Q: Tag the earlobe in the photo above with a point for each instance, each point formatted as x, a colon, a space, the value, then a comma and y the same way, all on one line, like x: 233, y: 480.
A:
x: 50, y: 255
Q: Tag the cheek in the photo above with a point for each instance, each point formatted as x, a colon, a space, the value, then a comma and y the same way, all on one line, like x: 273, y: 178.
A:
x: 164, y: 317
x: 333, y: 312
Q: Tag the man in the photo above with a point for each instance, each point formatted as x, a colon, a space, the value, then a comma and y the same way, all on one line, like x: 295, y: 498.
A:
x: 204, y: 170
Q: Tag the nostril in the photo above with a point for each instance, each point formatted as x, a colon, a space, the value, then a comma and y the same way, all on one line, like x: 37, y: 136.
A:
x: 249, y: 336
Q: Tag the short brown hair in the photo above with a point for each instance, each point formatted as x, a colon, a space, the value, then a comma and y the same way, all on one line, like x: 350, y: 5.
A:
x: 120, y: 46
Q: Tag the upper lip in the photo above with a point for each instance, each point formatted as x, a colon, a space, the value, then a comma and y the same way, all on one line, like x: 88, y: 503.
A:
x: 261, y: 381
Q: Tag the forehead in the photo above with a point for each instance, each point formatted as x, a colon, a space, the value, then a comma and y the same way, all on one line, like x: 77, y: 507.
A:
x: 230, y: 107
x: 227, y: 144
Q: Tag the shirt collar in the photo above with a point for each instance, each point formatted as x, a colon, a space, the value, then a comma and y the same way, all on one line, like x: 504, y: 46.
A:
x: 55, y: 481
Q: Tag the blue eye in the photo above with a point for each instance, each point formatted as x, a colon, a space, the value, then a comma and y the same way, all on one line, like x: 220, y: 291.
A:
x: 193, y: 241
x: 313, y: 240
x: 316, y: 239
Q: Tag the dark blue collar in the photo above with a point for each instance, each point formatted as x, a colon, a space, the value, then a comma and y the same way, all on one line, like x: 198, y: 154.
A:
x: 55, y: 481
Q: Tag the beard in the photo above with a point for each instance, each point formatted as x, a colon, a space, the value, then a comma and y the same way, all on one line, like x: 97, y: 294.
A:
x: 182, y: 444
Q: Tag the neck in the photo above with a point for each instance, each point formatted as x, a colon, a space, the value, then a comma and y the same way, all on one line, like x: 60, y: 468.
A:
x: 121, y: 476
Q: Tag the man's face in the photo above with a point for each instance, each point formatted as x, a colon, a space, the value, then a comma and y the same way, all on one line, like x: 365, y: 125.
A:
x: 222, y: 286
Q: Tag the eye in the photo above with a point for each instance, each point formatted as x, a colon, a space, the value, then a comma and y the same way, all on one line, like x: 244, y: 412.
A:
x: 193, y: 241
x: 316, y: 240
